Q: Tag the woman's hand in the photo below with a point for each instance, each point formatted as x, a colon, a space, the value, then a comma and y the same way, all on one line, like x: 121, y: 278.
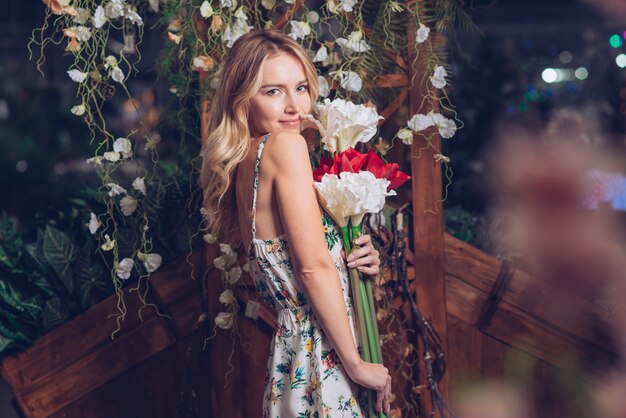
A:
x: 374, y: 376
x: 365, y: 259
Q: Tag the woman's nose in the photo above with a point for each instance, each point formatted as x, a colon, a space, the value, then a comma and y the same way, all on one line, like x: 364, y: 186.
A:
x: 291, y: 104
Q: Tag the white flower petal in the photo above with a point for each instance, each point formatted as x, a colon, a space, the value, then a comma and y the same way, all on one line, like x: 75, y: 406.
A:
x: 116, y: 189
x: 124, y: 147
x: 124, y: 268
x: 224, y: 320
x: 117, y: 75
x: 438, y: 77
x: 206, y: 10
x: 93, y: 224
x: 299, y: 30
x: 420, y: 122
x: 321, y: 54
x: 99, y: 17
x: 324, y: 88
x: 152, y: 262
x: 209, y: 238
x: 234, y: 274
x: 350, y: 80
x: 78, y: 110
x: 353, y: 43
x: 77, y: 76
x: 406, y: 135
x: 111, y: 156
x: 139, y: 185
x: 227, y: 297
x: 128, y: 204
x: 422, y: 33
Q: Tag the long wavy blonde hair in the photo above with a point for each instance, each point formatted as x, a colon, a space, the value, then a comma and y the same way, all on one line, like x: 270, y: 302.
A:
x: 229, y: 136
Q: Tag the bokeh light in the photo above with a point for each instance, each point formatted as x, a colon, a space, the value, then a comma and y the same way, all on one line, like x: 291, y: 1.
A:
x: 581, y: 73
x: 616, y: 41
x: 620, y: 60
x: 549, y: 75
x: 565, y: 57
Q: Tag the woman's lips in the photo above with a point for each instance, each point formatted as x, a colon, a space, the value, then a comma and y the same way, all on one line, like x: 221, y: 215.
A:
x: 292, y: 122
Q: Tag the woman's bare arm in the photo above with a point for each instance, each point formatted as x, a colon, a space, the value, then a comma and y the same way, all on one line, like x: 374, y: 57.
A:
x: 302, y: 222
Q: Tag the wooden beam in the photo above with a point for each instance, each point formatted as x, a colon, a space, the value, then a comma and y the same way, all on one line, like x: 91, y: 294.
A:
x: 428, y: 238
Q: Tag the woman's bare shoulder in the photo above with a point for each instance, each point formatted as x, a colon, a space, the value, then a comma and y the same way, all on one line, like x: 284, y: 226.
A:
x: 287, y: 149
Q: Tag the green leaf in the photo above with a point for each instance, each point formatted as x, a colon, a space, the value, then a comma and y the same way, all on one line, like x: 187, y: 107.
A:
x: 92, y: 281
x: 54, y: 313
x: 61, y: 253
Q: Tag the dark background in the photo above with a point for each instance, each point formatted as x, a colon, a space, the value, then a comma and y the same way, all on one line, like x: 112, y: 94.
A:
x: 496, y: 84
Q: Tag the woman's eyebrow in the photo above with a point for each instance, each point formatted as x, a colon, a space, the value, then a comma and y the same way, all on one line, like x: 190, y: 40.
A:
x: 282, y: 85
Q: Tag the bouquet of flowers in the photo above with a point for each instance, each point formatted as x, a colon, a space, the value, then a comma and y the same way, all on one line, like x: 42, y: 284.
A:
x: 349, y: 185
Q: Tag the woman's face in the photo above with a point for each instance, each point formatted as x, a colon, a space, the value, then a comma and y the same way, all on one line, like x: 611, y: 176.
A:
x: 282, y: 99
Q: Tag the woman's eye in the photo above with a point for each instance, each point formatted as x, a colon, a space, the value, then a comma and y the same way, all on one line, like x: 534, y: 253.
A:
x: 303, y: 87
x: 272, y: 92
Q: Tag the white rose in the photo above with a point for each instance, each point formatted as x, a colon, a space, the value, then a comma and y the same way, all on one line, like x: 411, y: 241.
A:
x: 368, y: 192
x: 438, y: 77
x: 124, y: 268
x: 224, y: 320
x: 139, y: 185
x: 333, y: 197
x: 77, y: 76
x: 128, y: 204
x: 343, y: 124
x: 422, y: 33
x: 152, y: 262
x: 124, y: 147
x: 353, y: 43
x: 227, y: 297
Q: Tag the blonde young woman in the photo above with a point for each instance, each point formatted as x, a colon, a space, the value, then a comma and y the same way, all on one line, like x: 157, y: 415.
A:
x: 256, y: 165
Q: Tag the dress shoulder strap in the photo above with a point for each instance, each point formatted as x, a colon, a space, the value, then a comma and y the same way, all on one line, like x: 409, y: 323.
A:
x: 257, y: 168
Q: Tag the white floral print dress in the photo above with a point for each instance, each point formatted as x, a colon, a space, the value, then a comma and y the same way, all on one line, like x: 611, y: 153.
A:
x: 304, y: 376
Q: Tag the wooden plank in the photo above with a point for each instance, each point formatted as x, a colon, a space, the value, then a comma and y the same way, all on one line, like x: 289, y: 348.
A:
x: 518, y: 329
x: 180, y: 298
x: 428, y: 237
x: 53, y: 392
x: 464, y: 357
x: 58, y: 349
x: 388, y: 80
x: 537, y: 298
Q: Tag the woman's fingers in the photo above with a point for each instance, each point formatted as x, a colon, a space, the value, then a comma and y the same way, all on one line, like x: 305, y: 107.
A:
x: 380, y: 397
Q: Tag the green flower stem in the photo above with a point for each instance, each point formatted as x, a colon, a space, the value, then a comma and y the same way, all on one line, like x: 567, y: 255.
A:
x: 360, y: 313
x: 357, y: 298
x: 369, y: 308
